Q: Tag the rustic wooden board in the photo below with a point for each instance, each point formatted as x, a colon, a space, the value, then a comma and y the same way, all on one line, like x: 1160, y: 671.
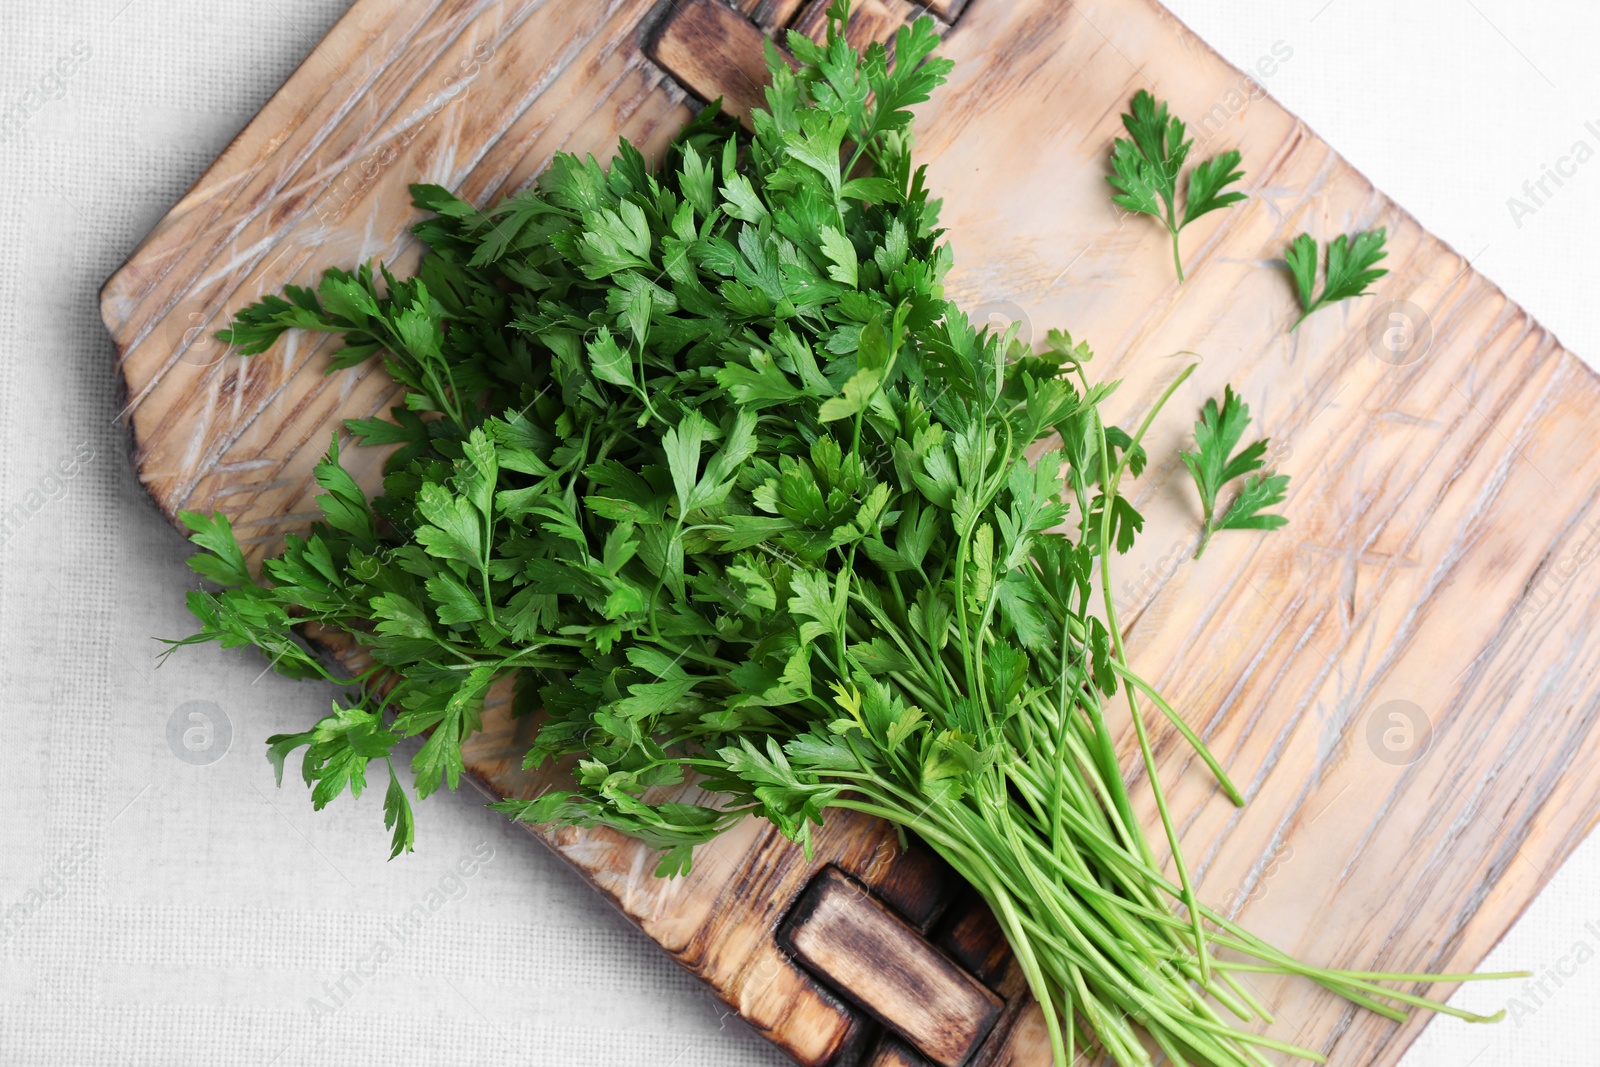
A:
x: 1442, y: 515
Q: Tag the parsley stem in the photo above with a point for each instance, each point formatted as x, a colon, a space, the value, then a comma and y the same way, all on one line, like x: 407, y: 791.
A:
x: 1150, y: 417
x: 1145, y: 751
x: 1183, y: 728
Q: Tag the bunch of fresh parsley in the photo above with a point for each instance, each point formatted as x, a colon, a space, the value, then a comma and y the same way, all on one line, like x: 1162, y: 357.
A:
x: 700, y: 457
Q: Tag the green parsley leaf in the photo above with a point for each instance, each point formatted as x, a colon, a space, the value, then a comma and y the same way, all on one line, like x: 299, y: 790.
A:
x: 1216, y: 463
x: 1350, y: 269
x: 1145, y: 169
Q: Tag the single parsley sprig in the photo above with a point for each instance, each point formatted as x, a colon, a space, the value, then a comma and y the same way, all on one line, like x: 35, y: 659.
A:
x: 1215, y: 464
x: 1146, y: 168
x: 1349, y: 269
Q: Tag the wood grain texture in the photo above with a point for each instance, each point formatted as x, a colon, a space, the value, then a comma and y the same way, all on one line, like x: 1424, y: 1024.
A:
x: 971, y: 937
x: 771, y: 15
x: 893, y: 1052
x: 714, y: 51
x: 880, y: 961
x: 1443, y: 510
x: 870, y: 20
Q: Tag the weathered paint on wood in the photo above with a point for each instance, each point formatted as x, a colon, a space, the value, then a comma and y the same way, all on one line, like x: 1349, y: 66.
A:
x: 1403, y: 681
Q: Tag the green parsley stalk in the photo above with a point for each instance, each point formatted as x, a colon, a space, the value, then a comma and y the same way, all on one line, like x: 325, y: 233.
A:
x: 699, y: 458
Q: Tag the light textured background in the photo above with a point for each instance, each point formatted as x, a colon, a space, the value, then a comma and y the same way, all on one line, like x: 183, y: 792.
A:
x: 204, y: 910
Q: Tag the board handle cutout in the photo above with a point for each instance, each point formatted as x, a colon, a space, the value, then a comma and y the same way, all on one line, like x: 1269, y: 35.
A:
x: 716, y: 49
x: 877, y: 960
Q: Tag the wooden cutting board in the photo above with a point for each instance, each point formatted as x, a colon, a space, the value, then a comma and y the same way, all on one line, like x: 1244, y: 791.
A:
x: 1404, y: 680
